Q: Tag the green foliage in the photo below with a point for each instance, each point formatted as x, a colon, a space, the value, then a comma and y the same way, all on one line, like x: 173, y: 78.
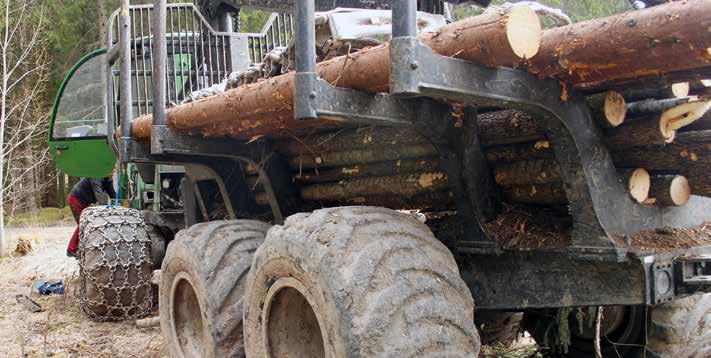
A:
x: 252, y: 20
x: 578, y: 10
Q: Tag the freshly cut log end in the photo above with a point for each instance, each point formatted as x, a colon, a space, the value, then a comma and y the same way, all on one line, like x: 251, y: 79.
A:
x: 638, y: 184
x: 524, y: 32
x: 615, y: 108
x: 608, y: 108
x: 680, y: 90
x: 670, y: 190
x: 683, y: 115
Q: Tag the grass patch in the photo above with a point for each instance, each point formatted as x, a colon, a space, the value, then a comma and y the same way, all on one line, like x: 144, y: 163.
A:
x: 41, y: 217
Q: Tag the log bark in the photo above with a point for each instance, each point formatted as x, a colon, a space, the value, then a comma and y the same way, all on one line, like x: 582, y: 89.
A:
x: 656, y: 130
x: 405, y: 166
x: 540, y: 149
x: 608, y: 108
x: 670, y: 190
x: 700, y: 184
x: 350, y: 139
x: 370, y: 155
x: 405, y: 185
x: 265, y: 108
x: 642, y: 132
x: 544, y: 194
x: 657, y: 86
x: 542, y: 171
x: 507, y: 127
x: 437, y: 200
x: 653, y: 41
x: 702, y: 124
x: 691, y: 150
x: 651, y: 106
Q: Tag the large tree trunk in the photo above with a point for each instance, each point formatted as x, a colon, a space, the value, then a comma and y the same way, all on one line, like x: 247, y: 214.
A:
x: 661, y: 39
x: 266, y: 107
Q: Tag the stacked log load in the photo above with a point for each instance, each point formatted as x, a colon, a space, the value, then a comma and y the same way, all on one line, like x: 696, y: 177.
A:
x: 643, y: 73
x: 658, y: 158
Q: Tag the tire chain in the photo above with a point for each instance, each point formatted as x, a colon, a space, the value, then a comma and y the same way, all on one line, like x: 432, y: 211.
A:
x: 116, y: 308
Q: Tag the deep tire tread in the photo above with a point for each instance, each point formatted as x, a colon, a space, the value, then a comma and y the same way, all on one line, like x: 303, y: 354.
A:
x: 221, y: 254
x: 391, y: 278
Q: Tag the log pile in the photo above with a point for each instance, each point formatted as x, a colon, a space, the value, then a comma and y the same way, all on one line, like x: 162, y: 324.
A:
x: 660, y: 41
x: 400, y: 168
x: 637, y: 69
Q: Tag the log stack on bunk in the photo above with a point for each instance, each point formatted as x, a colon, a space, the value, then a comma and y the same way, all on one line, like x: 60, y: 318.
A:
x: 643, y: 73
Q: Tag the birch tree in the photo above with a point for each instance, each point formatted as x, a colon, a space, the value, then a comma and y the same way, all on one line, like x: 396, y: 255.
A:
x: 23, y: 76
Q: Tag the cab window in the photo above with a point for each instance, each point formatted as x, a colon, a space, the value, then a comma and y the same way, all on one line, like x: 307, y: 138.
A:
x: 81, y: 109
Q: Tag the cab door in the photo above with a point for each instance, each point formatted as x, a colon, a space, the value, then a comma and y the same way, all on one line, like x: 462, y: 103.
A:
x: 78, y: 125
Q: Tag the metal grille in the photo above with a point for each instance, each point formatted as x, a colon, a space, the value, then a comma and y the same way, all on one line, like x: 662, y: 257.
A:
x: 277, y: 32
x: 198, y: 56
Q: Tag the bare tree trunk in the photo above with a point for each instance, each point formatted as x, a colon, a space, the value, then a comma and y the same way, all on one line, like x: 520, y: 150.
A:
x: 102, y: 20
x: 3, y: 118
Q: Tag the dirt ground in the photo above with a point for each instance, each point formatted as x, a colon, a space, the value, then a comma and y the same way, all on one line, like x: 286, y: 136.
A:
x: 60, y: 330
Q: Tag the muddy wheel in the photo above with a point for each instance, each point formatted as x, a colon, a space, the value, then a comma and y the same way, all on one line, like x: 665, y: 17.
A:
x: 202, y: 284
x: 498, y: 327
x: 356, y: 281
x: 622, y: 331
x: 681, y: 328
x: 115, y: 264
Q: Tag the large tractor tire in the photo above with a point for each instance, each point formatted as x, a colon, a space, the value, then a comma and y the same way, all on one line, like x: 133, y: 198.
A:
x: 681, y: 328
x: 356, y: 282
x: 115, y: 264
x: 498, y: 327
x: 202, y: 283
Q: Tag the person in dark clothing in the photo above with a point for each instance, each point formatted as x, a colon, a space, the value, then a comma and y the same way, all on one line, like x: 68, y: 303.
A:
x: 86, y: 192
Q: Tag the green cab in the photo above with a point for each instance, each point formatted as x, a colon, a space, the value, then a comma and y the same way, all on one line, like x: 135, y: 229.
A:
x: 78, y: 129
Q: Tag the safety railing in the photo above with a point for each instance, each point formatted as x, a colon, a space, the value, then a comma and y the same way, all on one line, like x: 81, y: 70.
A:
x: 276, y: 32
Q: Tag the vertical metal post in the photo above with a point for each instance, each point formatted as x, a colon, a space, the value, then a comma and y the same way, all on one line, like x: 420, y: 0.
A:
x: 404, y: 17
x: 305, y: 36
x: 305, y: 80
x: 159, y: 61
x: 404, y: 65
x: 126, y: 106
x: 109, y: 109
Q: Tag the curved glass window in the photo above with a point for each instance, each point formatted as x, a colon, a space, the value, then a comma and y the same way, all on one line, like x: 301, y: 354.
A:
x: 80, y: 112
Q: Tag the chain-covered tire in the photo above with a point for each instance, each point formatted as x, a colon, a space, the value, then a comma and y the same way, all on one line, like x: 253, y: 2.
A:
x: 202, y: 284
x: 681, y: 328
x: 356, y: 282
x: 115, y: 264
x: 498, y: 327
